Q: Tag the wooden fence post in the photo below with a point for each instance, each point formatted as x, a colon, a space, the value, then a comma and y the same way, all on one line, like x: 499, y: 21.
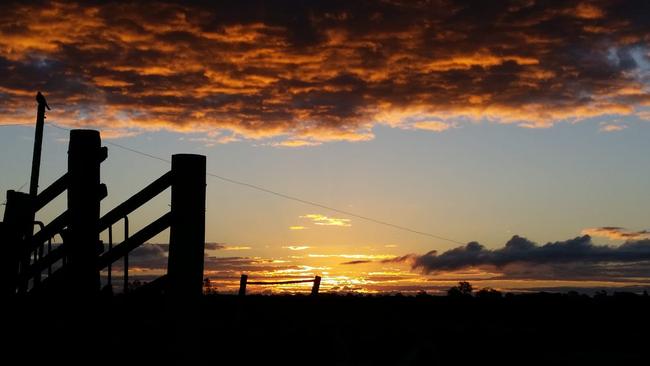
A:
x: 187, y: 229
x: 15, y: 232
x: 242, y: 285
x: 38, y: 144
x: 85, y: 155
x: 314, y: 289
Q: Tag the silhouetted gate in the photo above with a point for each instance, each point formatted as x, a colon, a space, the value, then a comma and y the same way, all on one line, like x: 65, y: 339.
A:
x: 81, y: 255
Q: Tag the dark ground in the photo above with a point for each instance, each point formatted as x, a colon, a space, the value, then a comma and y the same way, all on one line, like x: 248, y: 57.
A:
x: 537, y: 329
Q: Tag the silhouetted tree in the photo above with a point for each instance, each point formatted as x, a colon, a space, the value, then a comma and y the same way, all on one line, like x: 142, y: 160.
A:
x: 464, y: 288
x: 600, y: 294
x: 624, y: 295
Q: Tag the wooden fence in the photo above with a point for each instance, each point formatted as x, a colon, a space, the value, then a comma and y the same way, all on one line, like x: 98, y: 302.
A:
x: 81, y: 256
x: 243, y: 282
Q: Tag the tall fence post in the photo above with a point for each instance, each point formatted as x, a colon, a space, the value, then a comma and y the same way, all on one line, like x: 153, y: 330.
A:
x: 84, y: 194
x: 186, y: 251
x: 242, y: 285
x: 38, y: 143
x: 187, y: 229
x: 16, y: 225
x: 314, y: 289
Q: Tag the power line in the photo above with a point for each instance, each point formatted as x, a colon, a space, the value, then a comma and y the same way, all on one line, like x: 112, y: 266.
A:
x: 285, y: 196
x: 16, y: 124
x: 23, y: 186
x: 138, y: 152
x: 120, y: 146
x: 311, y: 203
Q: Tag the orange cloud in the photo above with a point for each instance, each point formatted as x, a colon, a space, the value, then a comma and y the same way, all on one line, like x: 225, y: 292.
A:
x: 297, y: 247
x: 323, y: 220
x: 353, y: 256
x: 297, y: 76
x: 236, y: 248
x: 296, y: 143
x: 588, y: 11
x: 477, y: 60
x: 612, y: 128
x: 436, y: 126
x: 616, y: 233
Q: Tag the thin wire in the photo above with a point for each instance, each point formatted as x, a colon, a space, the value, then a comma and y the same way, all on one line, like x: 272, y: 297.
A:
x: 286, y: 196
x: 118, y: 145
x: 137, y: 152
x: 348, y: 213
x: 23, y: 186
x: 16, y: 124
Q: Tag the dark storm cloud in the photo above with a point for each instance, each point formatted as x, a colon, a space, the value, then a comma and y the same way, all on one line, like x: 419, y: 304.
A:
x: 214, y: 246
x: 573, y: 259
x: 148, y: 256
x: 238, y: 265
x: 153, y: 256
x: 322, y: 70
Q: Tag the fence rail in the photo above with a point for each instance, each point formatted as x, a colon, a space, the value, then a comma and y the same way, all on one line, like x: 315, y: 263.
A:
x: 243, y: 282
x: 81, y: 253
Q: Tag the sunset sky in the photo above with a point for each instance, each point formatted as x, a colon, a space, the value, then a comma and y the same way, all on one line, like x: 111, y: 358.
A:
x: 508, y: 130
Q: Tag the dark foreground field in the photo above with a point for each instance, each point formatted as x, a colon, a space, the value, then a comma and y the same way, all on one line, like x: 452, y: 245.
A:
x: 329, y: 330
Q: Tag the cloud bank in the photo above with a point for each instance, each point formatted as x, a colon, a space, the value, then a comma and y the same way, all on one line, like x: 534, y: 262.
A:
x: 577, y: 258
x: 311, y: 72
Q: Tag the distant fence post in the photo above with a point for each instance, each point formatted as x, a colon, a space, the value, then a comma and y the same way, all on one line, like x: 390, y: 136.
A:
x: 16, y: 226
x: 85, y: 155
x: 242, y: 285
x: 314, y: 289
x: 187, y: 229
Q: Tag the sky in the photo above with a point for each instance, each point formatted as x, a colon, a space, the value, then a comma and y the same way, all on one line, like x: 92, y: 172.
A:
x: 513, y: 134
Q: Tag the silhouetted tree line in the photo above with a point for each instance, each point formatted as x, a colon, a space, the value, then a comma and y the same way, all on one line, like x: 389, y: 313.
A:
x: 463, y: 289
x: 339, y: 328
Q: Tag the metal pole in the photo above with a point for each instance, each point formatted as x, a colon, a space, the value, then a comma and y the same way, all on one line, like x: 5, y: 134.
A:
x: 109, y: 280
x: 49, y: 250
x: 38, y: 254
x: 125, y: 277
